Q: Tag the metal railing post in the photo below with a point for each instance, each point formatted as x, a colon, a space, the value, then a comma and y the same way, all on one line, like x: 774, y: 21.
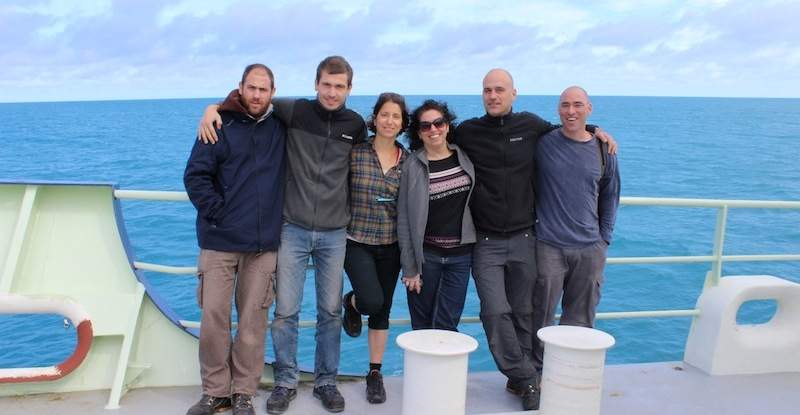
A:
x: 719, y: 242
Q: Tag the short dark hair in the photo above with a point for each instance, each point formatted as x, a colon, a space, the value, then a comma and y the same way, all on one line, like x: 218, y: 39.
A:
x: 335, y: 65
x: 413, y: 130
x: 383, y: 99
x: 252, y: 66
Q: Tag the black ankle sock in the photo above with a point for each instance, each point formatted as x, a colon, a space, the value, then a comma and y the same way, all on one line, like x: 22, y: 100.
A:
x: 375, y: 366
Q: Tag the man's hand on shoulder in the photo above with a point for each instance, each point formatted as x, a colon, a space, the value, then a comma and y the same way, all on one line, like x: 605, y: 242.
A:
x: 606, y: 138
x: 207, y: 130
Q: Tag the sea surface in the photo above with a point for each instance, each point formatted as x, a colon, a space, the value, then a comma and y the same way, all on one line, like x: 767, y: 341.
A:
x: 669, y: 147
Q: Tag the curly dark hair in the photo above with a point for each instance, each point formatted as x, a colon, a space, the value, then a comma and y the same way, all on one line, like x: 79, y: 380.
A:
x: 389, y: 97
x: 413, y: 129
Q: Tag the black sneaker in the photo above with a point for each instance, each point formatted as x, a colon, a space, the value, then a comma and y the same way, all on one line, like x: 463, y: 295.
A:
x: 209, y: 405
x: 351, y: 318
x: 375, y: 390
x: 514, y: 388
x: 331, y: 399
x: 530, y: 398
x: 278, y: 401
x: 243, y: 404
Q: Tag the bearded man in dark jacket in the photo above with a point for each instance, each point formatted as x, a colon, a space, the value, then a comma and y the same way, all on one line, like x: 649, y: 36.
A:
x: 237, y: 186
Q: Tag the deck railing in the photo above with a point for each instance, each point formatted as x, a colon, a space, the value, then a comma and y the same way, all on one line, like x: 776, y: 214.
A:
x: 716, y: 259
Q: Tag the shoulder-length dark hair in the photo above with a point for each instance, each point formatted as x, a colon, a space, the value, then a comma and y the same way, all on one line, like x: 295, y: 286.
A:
x: 413, y: 129
x: 383, y: 99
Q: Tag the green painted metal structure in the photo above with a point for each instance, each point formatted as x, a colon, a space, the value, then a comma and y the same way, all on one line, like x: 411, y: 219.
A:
x: 67, y: 241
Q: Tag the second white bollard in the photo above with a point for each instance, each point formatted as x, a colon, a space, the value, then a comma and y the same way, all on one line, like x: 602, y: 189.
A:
x: 572, y: 375
x: 435, y: 371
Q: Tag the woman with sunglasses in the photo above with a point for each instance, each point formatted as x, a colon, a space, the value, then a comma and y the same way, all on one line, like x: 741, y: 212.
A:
x: 434, y: 224
x: 372, y: 258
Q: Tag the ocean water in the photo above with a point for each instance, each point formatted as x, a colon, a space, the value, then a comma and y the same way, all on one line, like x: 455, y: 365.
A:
x: 669, y: 147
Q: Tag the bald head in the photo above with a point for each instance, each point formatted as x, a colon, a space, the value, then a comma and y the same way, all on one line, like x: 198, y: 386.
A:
x: 498, y: 92
x: 497, y: 74
x: 573, y: 91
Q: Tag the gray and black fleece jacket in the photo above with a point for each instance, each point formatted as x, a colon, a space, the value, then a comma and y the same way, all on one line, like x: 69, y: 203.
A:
x: 318, y: 154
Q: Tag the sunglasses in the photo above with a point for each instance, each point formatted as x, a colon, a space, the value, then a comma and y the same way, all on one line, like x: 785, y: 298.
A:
x: 439, y: 123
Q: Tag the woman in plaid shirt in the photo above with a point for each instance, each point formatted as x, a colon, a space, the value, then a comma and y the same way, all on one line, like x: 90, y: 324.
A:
x: 372, y: 261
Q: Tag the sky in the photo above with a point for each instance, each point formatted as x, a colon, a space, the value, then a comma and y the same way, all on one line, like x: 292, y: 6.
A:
x: 145, y: 49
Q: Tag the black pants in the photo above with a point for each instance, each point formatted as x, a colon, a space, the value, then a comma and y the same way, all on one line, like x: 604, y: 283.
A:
x: 373, y: 271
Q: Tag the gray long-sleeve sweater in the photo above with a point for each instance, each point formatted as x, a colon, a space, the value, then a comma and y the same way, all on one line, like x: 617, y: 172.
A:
x: 576, y: 204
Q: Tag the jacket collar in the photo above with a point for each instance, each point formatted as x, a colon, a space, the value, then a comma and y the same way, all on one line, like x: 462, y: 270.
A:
x: 324, y: 112
x: 233, y: 105
x: 498, y: 120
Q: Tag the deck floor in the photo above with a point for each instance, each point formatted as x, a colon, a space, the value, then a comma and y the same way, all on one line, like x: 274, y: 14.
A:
x: 642, y: 389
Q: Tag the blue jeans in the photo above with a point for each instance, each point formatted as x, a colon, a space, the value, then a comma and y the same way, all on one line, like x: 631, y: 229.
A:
x: 327, y: 248
x: 444, y: 290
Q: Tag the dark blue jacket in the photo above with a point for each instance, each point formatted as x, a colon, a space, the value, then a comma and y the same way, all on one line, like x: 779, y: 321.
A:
x: 237, y: 184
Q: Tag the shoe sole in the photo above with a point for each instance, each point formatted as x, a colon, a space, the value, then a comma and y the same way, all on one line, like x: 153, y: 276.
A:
x: 334, y: 410
x: 278, y: 412
x: 514, y: 392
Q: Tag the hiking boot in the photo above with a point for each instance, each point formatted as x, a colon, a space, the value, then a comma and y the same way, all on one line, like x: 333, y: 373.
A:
x: 351, y: 318
x: 209, y: 405
x: 375, y: 391
x: 243, y: 404
x: 514, y: 388
x: 331, y: 399
x: 530, y: 398
x: 278, y: 401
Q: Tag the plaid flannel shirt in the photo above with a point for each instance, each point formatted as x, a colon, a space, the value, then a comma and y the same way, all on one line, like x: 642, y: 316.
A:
x: 373, y: 196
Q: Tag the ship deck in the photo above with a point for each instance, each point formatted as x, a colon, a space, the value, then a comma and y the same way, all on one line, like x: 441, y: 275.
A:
x: 642, y: 389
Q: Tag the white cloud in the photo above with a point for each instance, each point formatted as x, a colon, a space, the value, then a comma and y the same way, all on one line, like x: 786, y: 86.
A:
x: 607, y: 52
x: 401, y: 33
x: 63, y: 14
x: 193, y: 8
x: 688, y: 37
x: 64, y: 9
x: 204, y: 40
x: 683, y: 39
x: 779, y: 54
x: 558, y: 22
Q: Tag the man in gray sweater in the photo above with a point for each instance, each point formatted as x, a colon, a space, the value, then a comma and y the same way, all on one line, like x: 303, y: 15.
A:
x: 578, y: 186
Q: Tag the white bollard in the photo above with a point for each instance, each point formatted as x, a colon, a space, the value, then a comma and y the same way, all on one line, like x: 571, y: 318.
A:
x: 572, y: 375
x: 435, y: 371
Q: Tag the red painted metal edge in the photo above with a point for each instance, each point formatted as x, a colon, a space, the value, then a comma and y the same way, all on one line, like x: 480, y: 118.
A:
x: 41, y: 374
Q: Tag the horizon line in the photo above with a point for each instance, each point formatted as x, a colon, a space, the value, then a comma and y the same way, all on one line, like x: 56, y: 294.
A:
x: 405, y: 95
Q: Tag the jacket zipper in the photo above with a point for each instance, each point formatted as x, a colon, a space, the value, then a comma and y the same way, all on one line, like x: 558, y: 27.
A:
x: 254, y: 152
x: 505, y: 170
x: 319, y: 171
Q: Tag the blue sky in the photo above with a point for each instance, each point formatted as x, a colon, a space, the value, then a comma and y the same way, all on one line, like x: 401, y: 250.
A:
x: 102, y: 49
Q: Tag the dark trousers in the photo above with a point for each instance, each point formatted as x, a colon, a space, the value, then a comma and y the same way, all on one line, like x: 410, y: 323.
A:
x: 373, y: 272
x: 575, y: 272
x: 444, y: 289
x: 505, y: 271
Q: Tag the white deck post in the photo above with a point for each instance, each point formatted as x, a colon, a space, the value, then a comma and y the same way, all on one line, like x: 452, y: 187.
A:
x: 435, y: 371
x: 572, y: 375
